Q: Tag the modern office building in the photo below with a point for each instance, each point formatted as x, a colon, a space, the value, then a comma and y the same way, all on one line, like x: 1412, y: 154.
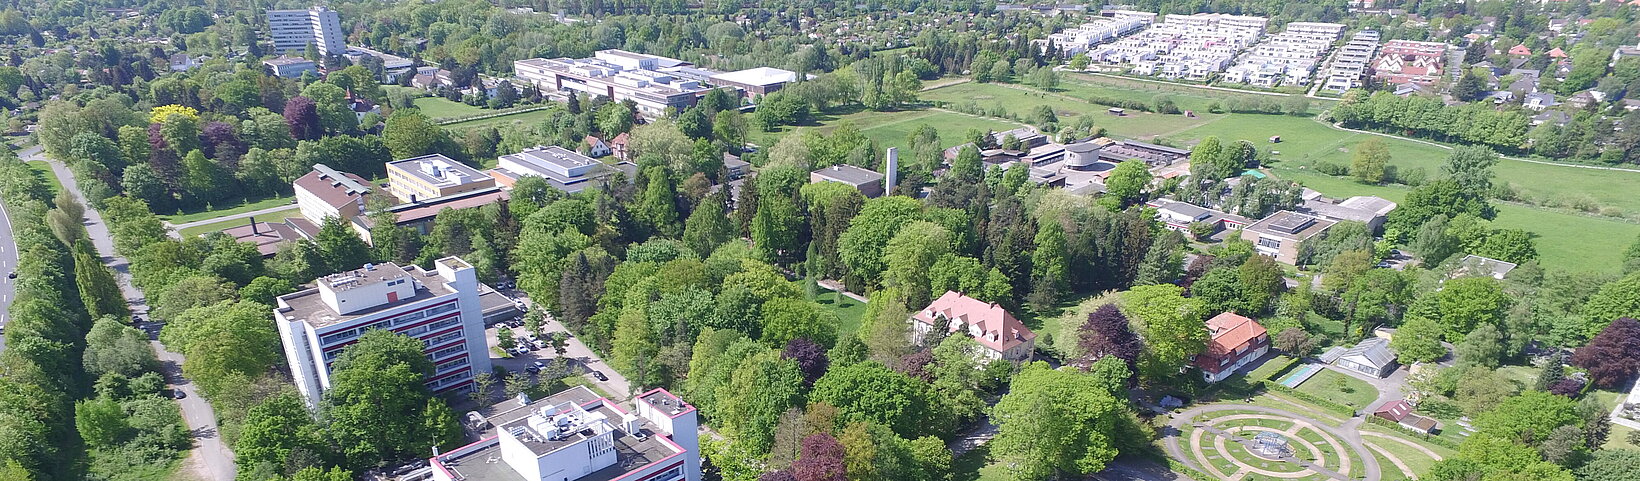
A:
x: 441, y: 308
x: 577, y: 435
x: 1280, y: 234
x: 432, y: 176
x: 293, y: 30
x: 652, y: 82
x: 563, y: 169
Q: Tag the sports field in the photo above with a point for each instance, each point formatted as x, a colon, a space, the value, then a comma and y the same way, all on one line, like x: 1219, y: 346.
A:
x: 1567, y: 238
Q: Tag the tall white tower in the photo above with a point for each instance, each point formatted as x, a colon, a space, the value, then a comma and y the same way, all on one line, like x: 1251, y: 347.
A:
x: 892, y: 170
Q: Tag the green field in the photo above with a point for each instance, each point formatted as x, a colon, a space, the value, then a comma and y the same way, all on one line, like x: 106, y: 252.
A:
x: 227, y: 224
x: 848, y: 310
x: 526, y: 118
x: 441, y: 108
x: 215, y: 211
x: 1567, y: 239
x: 1340, y: 388
x: 892, y: 129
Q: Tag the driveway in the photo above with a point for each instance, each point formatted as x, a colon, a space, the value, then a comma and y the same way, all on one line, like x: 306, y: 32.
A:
x: 210, y: 458
x: 577, y: 352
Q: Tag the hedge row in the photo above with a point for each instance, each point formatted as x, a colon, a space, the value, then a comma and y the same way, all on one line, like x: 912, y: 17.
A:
x: 1324, y: 404
x: 1436, y: 440
x: 1281, y: 369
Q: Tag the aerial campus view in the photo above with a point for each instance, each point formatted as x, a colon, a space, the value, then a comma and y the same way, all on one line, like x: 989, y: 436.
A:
x: 469, y: 240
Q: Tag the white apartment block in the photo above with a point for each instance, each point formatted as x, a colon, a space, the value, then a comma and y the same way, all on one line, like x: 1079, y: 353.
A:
x: 1184, y: 46
x: 1287, y: 58
x: 653, y: 82
x: 1349, y: 65
x: 440, y: 308
x: 577, y: 435
x: 1077, y: 40
x: 293, y: 30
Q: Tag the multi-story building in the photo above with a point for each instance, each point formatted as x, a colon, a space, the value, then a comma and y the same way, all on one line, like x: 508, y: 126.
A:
x: 1287, y: 58
x: 1184, y: 46
x: 293, y: 30
x: 432, y: 176
x: 563, y: 169
x: 576, y: 435
x: 1280, y: 234
x: 1234, y: 342
x: 327, y: 192
x: 652, y: 82
x: 754, y: 82
x: 1406, y: 61
x: 1075, y: 40
x: 1349, y: 64
x: 994, y: 328
x: 441, y: 308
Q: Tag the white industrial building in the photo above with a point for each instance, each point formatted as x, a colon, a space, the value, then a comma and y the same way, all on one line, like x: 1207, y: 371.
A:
x: 565, y: 170
x: 652, y: 82
x: 293, y: 30
x: 441, y: 308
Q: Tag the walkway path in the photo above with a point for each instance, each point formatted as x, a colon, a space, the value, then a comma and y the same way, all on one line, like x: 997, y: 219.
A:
x: 1428, y: 452
x: 210, y: 459
x: 1350, y: 436
x: 1204, y: 87
x: 177, y: 228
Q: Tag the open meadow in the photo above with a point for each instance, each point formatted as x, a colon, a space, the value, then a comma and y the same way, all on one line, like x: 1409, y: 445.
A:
x: 892, y: 129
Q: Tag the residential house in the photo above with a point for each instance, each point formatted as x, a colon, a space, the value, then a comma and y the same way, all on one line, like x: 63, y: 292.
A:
x: 1401, y: 61
x: 734, y: 167
x: 1558, y: 53
x: 994, y: 328
x: 1400, y: 411
x: 362, y: 106
x: 1482, y: 266
x: 1539, y: 101
x: 1582, y: 100
x: 1234, y: 341
x: 1520, y: 50
x: 182, y: 62
x: 596, y: 147
x: 618, y: 147
x: 1371, y: 357
x: 1280, y: 234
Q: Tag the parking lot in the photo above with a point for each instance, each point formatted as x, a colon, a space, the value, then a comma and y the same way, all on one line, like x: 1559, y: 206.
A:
x: 582, y: 360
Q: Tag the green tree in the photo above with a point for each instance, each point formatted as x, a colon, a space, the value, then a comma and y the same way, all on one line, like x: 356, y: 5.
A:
x: 659, y: 207
x: 98, y: 290
x: 615, y: 118
x: 224, y: 341
x: 1482, y: 346
x: 755, y: 392
x: 1529, y: 417
x: 909, y: 256
x: 340, y: 248
x: 1418, y: 340
x: 1470, y: 302
x: 1471, y: 168
x: 1128, y: 181
x: 870, y: 392
x: 1616, y: 299
x: 775, y: 228
x: 409, y: 133
x: 377, y: 399
x: 708, y: 226
x: 101, y: 422
x: 113, y: 347
x: 1053, y: 423
x: 1370, y: 161
x: 787, y: 319
x: 1171, y: 326
x: 1432, y: 243
x: 277, y: 434
x: 1611, y: 464
x: 861, y: 247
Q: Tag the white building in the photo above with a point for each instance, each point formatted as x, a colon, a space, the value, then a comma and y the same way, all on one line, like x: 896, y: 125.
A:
x: 432, y: 176
x: 577, y: 435
x: 1184, y: 46
x: 293, y: 30
x: 1286, y: 58
x: 564, y: 169
x: 290, y: 67
x: 652, y: 82
x: 1349, y: 65
x: 997, y: 331
x: 1075, y: 40
x: 326, y: 192
x: 440, y: 308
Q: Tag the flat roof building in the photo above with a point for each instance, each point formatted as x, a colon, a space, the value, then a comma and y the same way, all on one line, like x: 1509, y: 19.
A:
x: 441, y: 308
x: 755, y: 82
x: 293, y: 30
x: 868, y: 182
x: 1280, y: 234
x: 1366, y: 209
x: 431, y: 176
x: 619, y: 75
x: 564, y: 169
x: 290, y: 67
x: 577, y: 435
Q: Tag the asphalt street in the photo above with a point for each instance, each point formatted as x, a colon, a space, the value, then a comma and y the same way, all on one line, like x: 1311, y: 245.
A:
x: 210, y: 459
x: 8, y: 264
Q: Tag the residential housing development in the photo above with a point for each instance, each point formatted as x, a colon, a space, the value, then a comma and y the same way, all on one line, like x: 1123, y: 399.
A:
x: 997, y: 331
x: 1406, y: 61
x: 1075, y: 40
x: 1287, y: 58
x: 577, y: 435
x: 1349, y: 65
x: 1190, y: 47
x: 440, y: 308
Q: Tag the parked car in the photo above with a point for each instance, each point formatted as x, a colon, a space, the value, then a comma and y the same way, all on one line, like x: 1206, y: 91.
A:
x: 600, y: 375
x: 539, y: 365
x: 177, y: 393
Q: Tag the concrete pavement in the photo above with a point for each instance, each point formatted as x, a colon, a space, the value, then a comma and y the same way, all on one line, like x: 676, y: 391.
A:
x: 1348, y: 433
x: 210, y: 459
x: 8, y: 264
x: 177, y: 228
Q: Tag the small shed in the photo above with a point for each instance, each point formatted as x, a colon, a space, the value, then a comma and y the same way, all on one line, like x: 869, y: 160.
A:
x: 1275, y: 139
x: 1117, y: 111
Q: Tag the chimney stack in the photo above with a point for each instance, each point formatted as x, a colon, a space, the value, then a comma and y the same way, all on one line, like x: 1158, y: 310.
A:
x: 254, y: 230
x: 893, y: 169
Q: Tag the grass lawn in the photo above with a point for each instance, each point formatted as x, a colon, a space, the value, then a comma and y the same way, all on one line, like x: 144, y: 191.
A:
x: 976, y: 465
x: 1525, y: 375
x: 514, y: 119
x: 891, y: 129
x: 49, y: 175
x: 1415, y: 459
x: 1619, y: 438
x: 227, y: 209
x: 441, y: 108
x: 217, y: 226
x: 1340, y: 388
x: 1267, y: 370
x: 848, y: 310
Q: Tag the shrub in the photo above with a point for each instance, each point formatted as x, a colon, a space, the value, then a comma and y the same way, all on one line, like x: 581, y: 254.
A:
x: 1330, y: 168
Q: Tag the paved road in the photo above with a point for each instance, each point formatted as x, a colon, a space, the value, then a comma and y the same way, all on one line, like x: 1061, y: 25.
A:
x: 8, y: 263
x: 210, y: 459
x: 176, y: 228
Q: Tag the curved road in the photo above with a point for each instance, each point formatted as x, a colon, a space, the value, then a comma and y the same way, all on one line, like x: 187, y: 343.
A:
x: 1347, y: 433
x: 8, y: 263
x: 210, y: 459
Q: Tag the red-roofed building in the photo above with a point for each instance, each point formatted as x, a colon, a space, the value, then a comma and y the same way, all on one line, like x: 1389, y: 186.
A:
x: 1235, y: 341
x: 1558, y: 53
x: 618, y: 146
x: 1520, y: 50
x: 1002, y: 336
x: 1400, y: 411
